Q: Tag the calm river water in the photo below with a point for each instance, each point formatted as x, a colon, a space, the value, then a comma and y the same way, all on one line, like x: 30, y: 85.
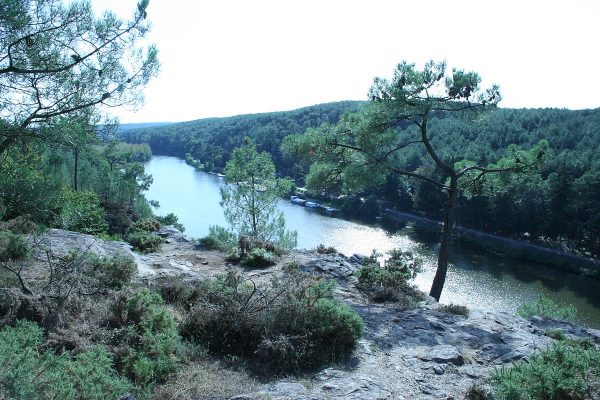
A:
x: 476, y: 278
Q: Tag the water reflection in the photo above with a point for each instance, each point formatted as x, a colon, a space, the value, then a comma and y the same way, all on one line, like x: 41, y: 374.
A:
x: 475, y: 278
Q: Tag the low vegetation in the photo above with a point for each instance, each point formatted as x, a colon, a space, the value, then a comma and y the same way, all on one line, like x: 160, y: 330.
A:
x: 390, y: 282
x: 219, y: 238
x: 26, y: 373
x: 149, y: 332
x: 454, y: 309
x: 12, y: 246
x: 290, y: 325
x: 568, y: 369
x: 141, y: 235
x: 547, y: 308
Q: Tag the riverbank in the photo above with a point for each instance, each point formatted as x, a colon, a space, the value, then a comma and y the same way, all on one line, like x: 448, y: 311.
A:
x: 511, y: 247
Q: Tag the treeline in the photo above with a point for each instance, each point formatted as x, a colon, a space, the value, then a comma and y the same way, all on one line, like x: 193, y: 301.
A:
x: 212, y: 140
x: 557, y: 203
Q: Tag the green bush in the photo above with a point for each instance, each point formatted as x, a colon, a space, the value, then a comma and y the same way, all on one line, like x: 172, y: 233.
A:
x: 12, y: 246
x: 145, y: 325
x: 27, y: 374
x: 293, y: 324
x: 171, y: 219
x: 148, y: 225
x: 219, y: 238
x: 175, y: 290
x: 566, y: 370
x: 116, y: 271
x: 389, y: 283
x: 454, y: 309
x: 259, y: 258
x: 322, y: 249
x: 144, y: 241
x: 81, y: 212
x: 477, y: 392
x: 547, y: 308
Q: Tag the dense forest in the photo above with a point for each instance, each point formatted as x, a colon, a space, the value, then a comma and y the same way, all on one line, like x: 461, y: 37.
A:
x: 212, y: 140
x: 558, y: 202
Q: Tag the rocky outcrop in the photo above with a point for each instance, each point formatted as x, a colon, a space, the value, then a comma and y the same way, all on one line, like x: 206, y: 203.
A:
x: 421, y: 353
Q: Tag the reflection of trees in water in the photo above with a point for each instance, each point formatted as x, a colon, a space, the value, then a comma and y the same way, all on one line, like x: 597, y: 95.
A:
x: 426, y: 234
x: 391, y: 227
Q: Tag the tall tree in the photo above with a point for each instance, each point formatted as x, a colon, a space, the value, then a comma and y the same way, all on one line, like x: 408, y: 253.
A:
x: 366, y: 145
x: 56, y: 59
x: 250, y: 197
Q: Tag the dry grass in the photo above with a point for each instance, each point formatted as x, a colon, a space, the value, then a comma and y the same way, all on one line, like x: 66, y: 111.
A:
x: 205, y: 381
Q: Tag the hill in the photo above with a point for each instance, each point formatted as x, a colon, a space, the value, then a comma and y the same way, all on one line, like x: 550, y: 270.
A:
x: 211, y: 140
x: 558, y: 204
x: 140, y: 125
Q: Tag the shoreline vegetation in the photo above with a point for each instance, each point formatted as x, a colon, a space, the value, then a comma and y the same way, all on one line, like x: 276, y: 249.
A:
x: 554, y: 205
x: 496, y: 244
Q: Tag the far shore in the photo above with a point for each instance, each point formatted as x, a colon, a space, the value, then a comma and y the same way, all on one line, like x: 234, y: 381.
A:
x: 509, y: 247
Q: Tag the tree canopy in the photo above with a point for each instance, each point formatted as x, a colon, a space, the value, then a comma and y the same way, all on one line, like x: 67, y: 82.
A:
x: 250, y: 197
x: 58, y: 59
x: 364, y: 146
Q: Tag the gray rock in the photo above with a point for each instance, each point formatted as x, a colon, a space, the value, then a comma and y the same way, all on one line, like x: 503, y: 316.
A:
x: 172, y: 234
x: 442, y: 354
x: 336, y: 266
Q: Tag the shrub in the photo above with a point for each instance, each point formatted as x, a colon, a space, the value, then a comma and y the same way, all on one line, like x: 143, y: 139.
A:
x: 219, y: 238
x: 114, y: 272
x: 454, y: 309
x: 547, y: 308
x: 119, y: 217
x: 26, y: 374
x: 145, y: 325
x: 477, y: 392
x: 566, y: 370
x: 12, y: 246
x: 259, y: 258
x: 389, y: 283
x: 555, y: 334
x: 321, y: 249
x: 291, y: 325
x: 21, y: 224
x: 81, y: 212
x: 171, y: 219
x: 144, y: 241
x: 176, y: 290
x: 148, y: 225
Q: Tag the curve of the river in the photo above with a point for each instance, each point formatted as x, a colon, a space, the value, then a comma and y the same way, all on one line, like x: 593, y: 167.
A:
x: 476, y: 278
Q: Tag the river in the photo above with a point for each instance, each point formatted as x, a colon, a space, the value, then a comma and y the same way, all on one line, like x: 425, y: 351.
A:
x: 476, y: 278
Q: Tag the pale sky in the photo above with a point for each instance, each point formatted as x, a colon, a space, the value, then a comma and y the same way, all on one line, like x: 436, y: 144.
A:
x: 228, y: 57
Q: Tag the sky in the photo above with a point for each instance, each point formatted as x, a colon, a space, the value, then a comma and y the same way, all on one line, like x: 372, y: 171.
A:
x: 229, y: 57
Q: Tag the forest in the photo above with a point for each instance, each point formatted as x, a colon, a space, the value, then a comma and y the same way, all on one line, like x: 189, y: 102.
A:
x: 556, y: 203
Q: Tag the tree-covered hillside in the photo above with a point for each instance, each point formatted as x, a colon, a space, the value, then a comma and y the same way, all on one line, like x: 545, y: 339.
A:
x: 212, y: 140
x: 557, y: 202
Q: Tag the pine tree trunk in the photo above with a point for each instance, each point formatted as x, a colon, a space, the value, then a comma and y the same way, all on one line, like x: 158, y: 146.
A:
x: 442, y: 264
x: 75, y: 173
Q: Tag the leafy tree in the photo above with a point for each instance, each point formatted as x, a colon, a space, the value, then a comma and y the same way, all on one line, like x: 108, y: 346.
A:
x: 250, y: 195
x: 365, y: 146
x: 57, y: 59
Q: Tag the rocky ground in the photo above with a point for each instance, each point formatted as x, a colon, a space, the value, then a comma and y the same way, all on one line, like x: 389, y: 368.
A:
x: 422, y: 353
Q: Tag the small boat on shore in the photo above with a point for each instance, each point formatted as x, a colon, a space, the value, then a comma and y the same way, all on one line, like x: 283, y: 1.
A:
x: 312, y: 204
x: 297, y: 200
